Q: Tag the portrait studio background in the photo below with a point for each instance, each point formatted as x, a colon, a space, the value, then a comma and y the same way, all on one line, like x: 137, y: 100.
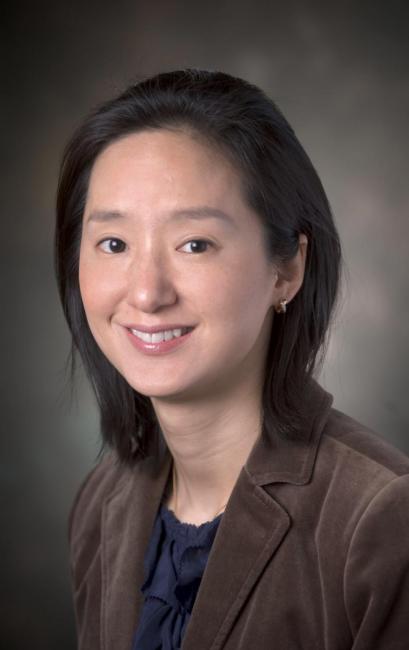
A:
x: 339, y: 71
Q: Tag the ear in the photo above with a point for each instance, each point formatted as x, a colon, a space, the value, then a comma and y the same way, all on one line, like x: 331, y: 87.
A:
x: 290, y: 275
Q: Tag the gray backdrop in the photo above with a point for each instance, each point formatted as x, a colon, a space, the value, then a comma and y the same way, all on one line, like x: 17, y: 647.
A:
x: 339, y: 71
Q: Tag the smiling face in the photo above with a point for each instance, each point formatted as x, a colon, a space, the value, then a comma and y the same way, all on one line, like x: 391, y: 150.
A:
x: 168, y: 240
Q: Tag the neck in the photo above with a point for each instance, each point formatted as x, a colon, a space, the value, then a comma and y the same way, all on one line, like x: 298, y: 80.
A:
x: 209, y: 442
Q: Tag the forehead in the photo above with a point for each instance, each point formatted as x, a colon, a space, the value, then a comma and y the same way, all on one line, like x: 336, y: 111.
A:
x: 151, y: 164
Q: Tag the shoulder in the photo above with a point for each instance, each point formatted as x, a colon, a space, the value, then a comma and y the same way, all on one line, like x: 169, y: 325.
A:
x: 95, y: 487
x: 349, y: 443
x: 355, y: 472
x: 362, y: 480
x: 109, y: 479
x: 367, y: 491
x: 85, y: 519
x: 106, y: 503
x: 355, y: 436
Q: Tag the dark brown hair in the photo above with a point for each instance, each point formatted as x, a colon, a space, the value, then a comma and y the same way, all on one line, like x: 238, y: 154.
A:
x: 279, y: 183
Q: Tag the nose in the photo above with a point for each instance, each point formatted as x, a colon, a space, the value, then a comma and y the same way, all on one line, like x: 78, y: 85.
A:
x: 150, y: 285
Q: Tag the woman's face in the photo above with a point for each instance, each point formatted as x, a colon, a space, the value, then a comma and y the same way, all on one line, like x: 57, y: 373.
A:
x: 169, y: 242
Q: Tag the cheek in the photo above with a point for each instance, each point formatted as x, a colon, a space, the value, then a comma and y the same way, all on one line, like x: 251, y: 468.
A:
x: 88, y: 287
x: 98, y: 291
x: 242, y: 300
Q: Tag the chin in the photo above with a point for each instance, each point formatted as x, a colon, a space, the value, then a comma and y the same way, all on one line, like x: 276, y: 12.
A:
x: 157, y: 391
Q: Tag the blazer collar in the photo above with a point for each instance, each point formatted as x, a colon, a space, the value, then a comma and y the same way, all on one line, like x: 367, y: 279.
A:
x: 253, y: 527
x: 276, y: 459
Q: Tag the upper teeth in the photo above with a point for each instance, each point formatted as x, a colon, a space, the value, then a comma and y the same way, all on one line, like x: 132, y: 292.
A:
x: 157, y: 337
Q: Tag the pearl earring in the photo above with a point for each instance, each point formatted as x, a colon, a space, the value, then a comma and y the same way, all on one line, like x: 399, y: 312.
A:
x: 281, y: 308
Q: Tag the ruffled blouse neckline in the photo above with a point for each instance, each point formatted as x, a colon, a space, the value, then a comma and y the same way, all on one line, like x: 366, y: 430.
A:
x: 181, y: 528
x: 175, y: 560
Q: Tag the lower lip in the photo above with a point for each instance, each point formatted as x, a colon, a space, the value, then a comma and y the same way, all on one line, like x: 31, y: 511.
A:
x: 158, y: 348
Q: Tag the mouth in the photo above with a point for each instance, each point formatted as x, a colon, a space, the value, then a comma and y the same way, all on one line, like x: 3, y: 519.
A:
x: 160, y: 336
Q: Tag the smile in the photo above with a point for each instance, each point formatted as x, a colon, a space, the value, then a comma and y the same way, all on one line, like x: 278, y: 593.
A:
x: 158, y: 337
x: 159, y: 343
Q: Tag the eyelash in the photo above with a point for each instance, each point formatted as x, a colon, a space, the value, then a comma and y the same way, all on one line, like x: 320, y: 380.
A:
x: 115, y: 239
x: 203, y: 241
x: 107, y: 241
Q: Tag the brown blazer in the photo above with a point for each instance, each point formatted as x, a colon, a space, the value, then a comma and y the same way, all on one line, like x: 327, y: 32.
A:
x: 312, y: 551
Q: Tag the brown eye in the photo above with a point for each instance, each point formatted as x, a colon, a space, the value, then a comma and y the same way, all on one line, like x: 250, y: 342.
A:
x: 112, y: 245
x: 197, y: 245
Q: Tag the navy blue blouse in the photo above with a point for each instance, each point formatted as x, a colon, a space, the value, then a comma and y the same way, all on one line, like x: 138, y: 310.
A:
x: 174, y: 564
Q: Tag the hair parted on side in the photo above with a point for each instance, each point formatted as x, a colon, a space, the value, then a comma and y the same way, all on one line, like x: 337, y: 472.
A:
x: 279, y: 182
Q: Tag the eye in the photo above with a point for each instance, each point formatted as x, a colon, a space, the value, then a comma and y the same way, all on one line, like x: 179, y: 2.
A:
x: 112, y: 245
x: 197, y: 245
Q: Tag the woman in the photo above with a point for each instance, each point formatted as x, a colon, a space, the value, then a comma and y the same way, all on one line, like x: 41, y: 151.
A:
x: 198, y: 266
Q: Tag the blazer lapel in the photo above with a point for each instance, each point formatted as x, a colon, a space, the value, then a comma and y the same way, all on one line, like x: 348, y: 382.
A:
x: 253, y: 526
x: 128, y: 518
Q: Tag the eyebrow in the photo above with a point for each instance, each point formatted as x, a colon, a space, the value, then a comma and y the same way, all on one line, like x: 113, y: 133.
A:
x: 201, y: 212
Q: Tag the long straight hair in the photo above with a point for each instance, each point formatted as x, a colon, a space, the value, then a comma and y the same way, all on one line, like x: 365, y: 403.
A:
x: 278, y: 181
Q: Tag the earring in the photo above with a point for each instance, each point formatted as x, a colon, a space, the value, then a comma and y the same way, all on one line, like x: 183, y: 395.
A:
x: 281, y: 308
